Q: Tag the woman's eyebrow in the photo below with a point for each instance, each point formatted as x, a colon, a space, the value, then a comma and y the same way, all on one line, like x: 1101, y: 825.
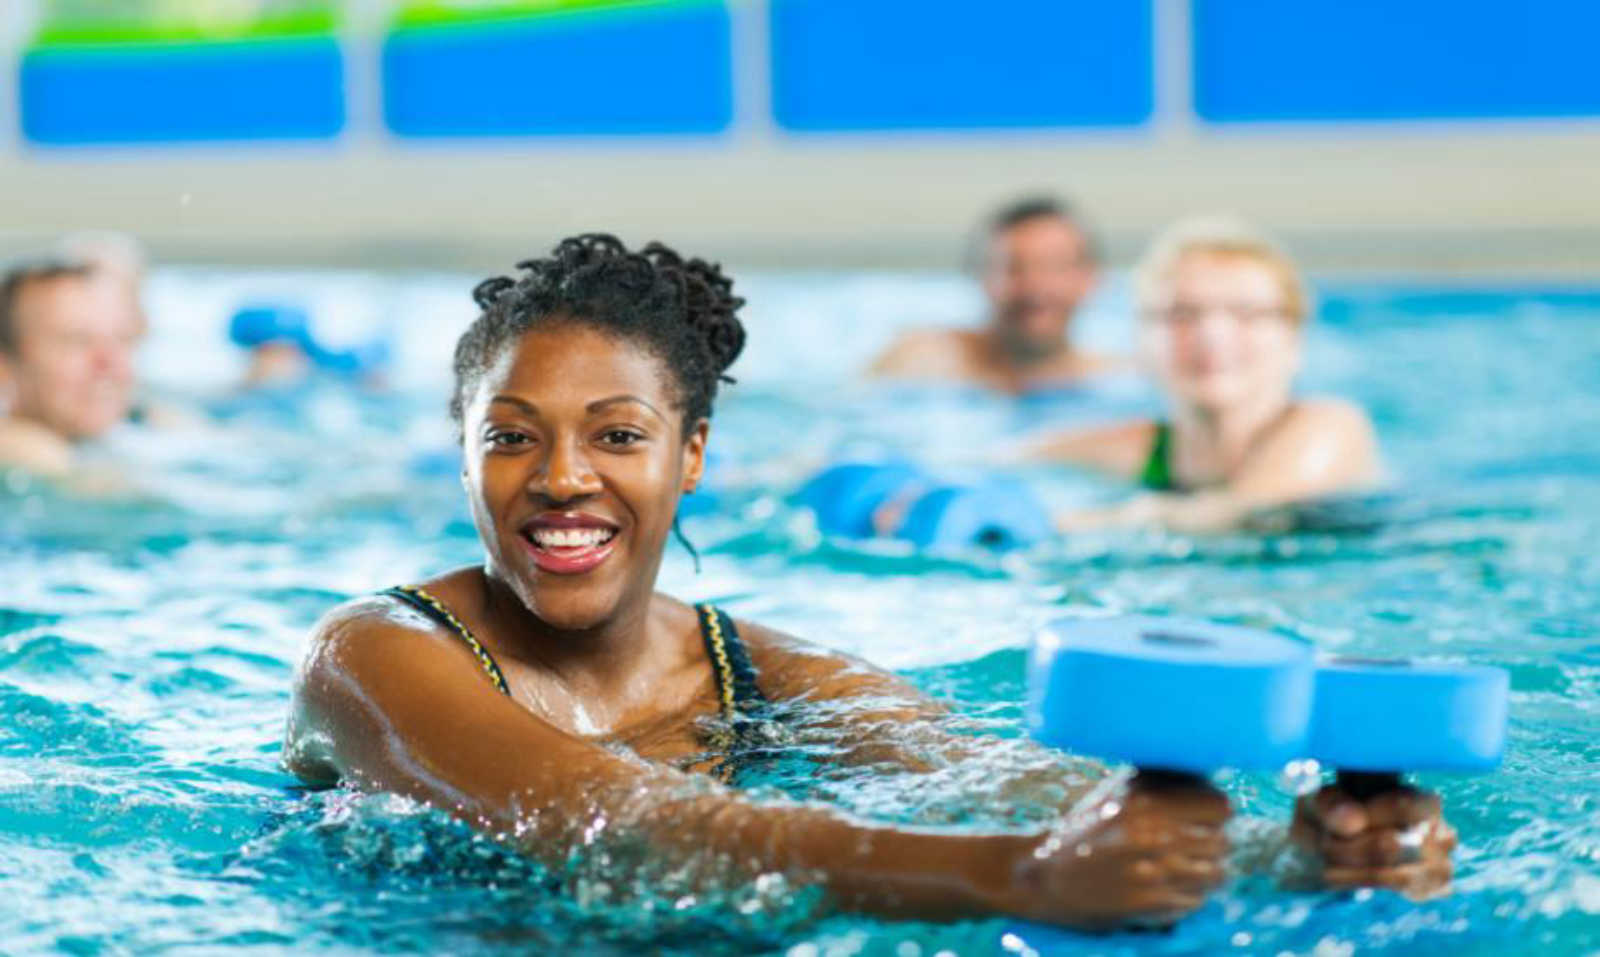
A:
x: 599, y: 404
x: 522, y: 404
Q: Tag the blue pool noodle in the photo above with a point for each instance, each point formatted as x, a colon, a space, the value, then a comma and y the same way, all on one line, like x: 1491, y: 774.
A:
x: 1171, y: 694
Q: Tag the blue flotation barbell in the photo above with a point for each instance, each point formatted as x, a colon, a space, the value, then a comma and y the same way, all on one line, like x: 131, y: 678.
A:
x: 1179, y: 698
x: 265, y: 323
x: 997, y: 514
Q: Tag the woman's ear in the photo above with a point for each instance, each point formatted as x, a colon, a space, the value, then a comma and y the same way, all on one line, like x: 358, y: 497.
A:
x: 694, y: 455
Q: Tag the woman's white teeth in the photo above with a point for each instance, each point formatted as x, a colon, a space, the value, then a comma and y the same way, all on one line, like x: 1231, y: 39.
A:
x: 571, y: 537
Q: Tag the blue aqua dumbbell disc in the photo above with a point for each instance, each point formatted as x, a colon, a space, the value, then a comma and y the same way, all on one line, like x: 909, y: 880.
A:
x: 995, y: 515
x: 1382, y: 717
x: 1171, y: 694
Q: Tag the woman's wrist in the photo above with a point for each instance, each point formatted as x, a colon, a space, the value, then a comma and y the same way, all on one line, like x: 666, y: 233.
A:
x: 908, y: 872
x: 998, y: 873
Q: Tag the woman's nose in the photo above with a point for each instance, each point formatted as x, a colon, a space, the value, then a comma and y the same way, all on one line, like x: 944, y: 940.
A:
x: 1216, y: 327
x: 567, y: 473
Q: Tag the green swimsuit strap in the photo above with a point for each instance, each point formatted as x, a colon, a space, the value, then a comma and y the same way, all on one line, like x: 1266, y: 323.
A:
x: 1157, y: 474
x: 436, y: 610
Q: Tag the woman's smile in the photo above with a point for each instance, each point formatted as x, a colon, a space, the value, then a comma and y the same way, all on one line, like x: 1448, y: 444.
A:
x: 569, y: 543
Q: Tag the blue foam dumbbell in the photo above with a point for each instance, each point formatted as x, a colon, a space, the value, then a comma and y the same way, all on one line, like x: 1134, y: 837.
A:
x: 844, y: 497
x: 1175, y: 698
x: 262, y: 324
x: 1374, y: 719
x: 996, y: 515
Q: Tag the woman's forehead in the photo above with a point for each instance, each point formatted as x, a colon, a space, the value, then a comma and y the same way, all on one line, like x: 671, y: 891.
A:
x: 1206, y: 273
x: 570, y: 362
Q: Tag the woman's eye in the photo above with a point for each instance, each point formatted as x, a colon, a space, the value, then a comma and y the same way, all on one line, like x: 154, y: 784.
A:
x: 620, y: 437
x: 507, y: 439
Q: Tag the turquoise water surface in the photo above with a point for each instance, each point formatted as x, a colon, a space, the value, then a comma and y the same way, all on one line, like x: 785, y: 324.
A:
x: 146, y: 645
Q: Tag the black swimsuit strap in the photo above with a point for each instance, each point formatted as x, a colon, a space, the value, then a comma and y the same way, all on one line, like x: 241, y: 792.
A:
x: 436, y: 610
x: 730, y: 664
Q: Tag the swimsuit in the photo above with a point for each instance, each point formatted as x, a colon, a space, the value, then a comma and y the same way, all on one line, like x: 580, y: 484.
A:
x: 741, y: 704
x: 1157, y: 475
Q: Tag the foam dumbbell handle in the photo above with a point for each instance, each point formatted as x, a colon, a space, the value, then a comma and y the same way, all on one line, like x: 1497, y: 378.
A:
x: 1365, y: 785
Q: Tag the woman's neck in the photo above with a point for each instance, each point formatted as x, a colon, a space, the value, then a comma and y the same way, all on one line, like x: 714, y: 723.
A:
x: 607, y: 656
x: 1210, y: 444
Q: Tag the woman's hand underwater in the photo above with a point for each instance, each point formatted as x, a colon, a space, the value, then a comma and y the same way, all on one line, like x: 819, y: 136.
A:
x: 1143, y: 856
x: 1397, y: 839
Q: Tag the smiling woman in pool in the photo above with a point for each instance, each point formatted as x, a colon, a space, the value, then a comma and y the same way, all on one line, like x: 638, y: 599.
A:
x: 552, y: 687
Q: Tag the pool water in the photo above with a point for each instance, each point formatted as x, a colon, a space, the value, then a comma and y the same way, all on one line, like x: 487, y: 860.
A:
x: 146, y: 645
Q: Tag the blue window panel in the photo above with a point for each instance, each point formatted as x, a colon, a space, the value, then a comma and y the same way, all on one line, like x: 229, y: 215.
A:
x: 664, y: 68
x: 1264, y: 60
x: 844, y: 65
x: 255, y: 90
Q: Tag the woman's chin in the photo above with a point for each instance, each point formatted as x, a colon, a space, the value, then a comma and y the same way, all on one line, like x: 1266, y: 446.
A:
x: 1212, y: 395
x: 563, y: 610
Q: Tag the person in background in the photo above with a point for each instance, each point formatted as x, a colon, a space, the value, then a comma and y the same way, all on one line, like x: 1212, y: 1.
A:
x: 1222, y: 316
x: 68, y: 333
x: 1037, y: 263
x: 116, y: 256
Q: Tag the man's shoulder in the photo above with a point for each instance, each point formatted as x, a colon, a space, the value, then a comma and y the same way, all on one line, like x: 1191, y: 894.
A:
x: 928, y: 350
x: 29, y: 445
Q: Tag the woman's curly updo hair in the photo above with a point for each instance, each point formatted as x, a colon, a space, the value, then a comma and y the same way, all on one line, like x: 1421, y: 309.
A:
x: 682, y: 311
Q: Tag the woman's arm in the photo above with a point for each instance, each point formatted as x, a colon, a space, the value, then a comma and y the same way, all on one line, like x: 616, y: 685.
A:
x: 383, y: 704
x: 1397, y: 840
x: 1325, y: 447
x: 1119, y: 449
x: 866, y: 715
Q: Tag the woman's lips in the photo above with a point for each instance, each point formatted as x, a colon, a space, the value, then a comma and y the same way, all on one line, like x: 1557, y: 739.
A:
x: 569, y: 544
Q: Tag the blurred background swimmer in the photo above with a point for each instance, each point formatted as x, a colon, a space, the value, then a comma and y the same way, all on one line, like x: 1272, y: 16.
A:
x: 1222, y: 313
x: 67, y: 343
x: 116, y: 256
x: 1037, y: 262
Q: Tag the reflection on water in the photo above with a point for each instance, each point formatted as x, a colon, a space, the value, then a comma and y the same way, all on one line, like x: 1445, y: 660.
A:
x: 146, y: 648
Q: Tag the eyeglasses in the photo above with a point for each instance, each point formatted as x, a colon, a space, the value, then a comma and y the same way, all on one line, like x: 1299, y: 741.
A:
x: 1184, y: 313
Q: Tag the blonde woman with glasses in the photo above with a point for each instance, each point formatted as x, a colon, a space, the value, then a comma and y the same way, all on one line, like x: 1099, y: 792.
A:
x: 1222, y: 316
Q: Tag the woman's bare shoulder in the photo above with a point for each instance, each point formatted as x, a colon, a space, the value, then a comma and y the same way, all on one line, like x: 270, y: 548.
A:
x: 789, y: 667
